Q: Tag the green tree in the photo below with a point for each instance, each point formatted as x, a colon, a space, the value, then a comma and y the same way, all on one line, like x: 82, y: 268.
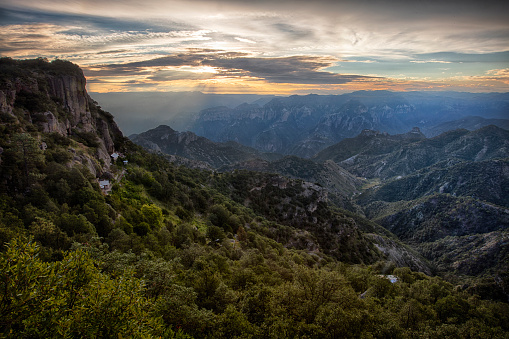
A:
x: 70, y: 298
x: 219, y: 216
x: 153, y: 215
x: 29, y: 155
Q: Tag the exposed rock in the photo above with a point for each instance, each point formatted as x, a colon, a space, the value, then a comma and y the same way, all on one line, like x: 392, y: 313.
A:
x: 6, y: 101
x: 53, y: 96
x: 51, y: 124
x: 305, y: 125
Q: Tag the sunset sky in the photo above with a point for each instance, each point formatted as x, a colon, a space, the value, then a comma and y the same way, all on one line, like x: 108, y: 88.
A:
x: 267, y: 47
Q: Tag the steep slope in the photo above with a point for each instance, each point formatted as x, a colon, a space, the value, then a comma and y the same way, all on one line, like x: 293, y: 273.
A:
x: 458, y: 234
x: 52, y: 97
x: 340, y: 184
x: 370, y: 143
x: 481, y: 254
x: 485, y: 180
x: 436, y: 217
x: 435, y: 193
x: 188, y: 145
x: 303, y: 205
x: 381, y: 156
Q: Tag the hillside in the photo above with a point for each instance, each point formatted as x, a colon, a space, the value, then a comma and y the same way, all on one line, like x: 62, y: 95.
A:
x: 485, y: 180
x: 440, y: 225
x: 340, y: 184
x: 188, y: 145
x: 404, y: 169
x: 375, y: 155
x: 370, y: 143
x: 190, y: 150
x: 175, y: 252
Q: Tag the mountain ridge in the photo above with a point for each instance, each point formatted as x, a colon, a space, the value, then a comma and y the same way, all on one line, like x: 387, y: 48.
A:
x: 388, y: 156
x: 187, y: 144
x: 304, y: 125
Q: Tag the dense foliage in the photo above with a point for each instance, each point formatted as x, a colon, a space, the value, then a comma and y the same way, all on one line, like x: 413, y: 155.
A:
x: 176, y: 252
x: 177, y: 257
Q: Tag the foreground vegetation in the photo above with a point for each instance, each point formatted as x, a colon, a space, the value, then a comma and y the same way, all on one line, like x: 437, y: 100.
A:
x: 201, y: 292
x: 173, y: 257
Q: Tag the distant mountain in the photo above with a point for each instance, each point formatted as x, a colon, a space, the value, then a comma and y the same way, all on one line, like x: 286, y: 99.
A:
x: 436, y: 193
x: 304, y: 125
x: 188, y: 145
x: 370, y: 143
x: 470, y: 123
x: 177, y: 109
x: 377, y: 155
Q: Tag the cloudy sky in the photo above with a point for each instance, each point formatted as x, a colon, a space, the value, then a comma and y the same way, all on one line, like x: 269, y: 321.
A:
x: 269, y: 46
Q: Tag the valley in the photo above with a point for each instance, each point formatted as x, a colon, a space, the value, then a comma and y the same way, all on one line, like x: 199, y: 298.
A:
x: 423, y: 190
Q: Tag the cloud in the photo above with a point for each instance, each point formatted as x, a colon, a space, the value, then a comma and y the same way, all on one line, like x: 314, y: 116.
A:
x: 433, y: 61
x: 448, y: 57
x: 294, y: 69
x: 245, y: 40
x: 171, y: 75
x: 322, y: 42
x: 294, y: 32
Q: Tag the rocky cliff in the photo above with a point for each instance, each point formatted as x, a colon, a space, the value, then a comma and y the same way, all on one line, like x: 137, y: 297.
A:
x: 53, y: 97
x: 305, y: 125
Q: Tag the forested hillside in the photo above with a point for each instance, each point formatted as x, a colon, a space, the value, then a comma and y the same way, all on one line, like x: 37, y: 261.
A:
x: 162, y: 250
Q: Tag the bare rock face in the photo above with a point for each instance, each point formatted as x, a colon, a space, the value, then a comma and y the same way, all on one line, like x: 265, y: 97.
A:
x: 6, y: 101
x: 50, y: 124
x: 71, y: 91
x: 54, y: 97
x: 104, y: 130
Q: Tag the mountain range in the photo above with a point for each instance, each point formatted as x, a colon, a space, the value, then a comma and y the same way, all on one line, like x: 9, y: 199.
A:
x: 381, y: 234
x: 305, y: 125
x: 425, y: 190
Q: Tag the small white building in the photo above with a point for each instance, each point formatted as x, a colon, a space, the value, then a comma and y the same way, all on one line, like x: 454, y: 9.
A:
x: 104, y: 184
x: 115, y: 156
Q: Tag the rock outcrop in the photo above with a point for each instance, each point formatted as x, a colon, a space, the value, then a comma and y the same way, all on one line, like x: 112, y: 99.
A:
x: 53, y: 97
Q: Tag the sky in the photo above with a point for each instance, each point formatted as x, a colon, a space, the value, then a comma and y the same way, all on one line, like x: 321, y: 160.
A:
x: 267, y: 46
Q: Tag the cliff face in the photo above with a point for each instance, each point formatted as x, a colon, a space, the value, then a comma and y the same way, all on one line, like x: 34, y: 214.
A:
x: 304, y: 125
x: 53, y: 97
